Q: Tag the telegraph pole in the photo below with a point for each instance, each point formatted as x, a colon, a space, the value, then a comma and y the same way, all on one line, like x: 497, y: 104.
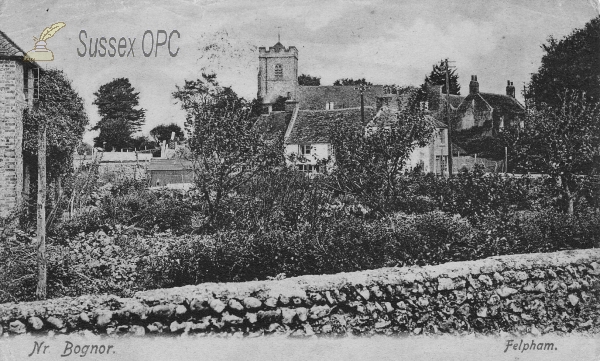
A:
x: 40, y: 292
x: 361, y: 88
x: 448, y: 118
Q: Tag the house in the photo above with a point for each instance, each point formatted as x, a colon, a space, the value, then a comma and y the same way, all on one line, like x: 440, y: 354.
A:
x: 18, y: 80
x: 490, y: 112
x: 431, y: 158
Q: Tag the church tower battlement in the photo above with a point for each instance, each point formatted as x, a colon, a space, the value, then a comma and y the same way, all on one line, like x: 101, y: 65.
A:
x: 277, y: 72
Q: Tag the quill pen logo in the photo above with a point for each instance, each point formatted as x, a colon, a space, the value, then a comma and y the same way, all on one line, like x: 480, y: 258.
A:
x: 40, y: 52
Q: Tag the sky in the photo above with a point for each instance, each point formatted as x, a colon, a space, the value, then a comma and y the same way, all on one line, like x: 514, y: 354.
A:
x: 386, y: 42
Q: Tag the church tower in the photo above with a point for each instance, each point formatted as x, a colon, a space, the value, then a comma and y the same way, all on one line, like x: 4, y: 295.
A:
x: 277, y: 72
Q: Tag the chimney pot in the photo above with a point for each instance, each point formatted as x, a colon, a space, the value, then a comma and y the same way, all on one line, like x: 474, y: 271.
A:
x: 473, y: 85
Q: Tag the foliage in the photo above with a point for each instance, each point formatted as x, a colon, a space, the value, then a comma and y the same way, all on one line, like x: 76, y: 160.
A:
x: 562, y: 141
x: 143, y: 142
x: 367, y: 164
x: 438, y: 77
x: 164, y: 131
x: 62, y: 110
x: 279, y: 103
x: 569, y: 63
x: 475, y: 141
x: 305, y: 79
x: 224, y: 148
x: 117, y: 102
x: 350, y: 81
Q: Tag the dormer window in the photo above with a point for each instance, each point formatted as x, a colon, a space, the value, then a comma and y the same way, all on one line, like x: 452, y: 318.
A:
x: 278, y: 71
x: 329, y: 106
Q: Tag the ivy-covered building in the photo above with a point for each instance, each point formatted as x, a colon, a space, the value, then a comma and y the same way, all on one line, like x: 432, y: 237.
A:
x: 16, y: 94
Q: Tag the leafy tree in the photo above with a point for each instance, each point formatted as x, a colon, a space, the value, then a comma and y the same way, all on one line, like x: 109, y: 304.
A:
x: 143, y: 142
x: 117, y: 102
x: 164, y: 131
x: 225, y: 150
x: 63, y: 112
x: 562, y: 141
x: 350, y: 81
x: 84, y: 148
x: 306, y: 79
x: 369, y: 161
x: 438, y: 77
x: 569, y: 63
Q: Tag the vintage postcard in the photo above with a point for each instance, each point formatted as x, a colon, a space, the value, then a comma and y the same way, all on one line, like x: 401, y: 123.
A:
x: 299, y: 180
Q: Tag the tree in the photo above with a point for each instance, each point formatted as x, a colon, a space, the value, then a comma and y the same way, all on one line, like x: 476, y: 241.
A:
x: 350, y: 81
x: 369, y: 162
x: 571, y: 63
x: 164, y: 131
x: 225, y: 150
x: 306, y: 79
x: 62, y: 109
x: 438, y: 77
x: 52, y: 131
x: 562, y: 141
x: 117, y: 102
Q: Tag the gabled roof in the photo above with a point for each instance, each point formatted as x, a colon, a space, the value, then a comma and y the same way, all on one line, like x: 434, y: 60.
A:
x: 315, y: 97
x: 502, y: 104
x: 271, y: 125
x: 314, y: 126
x: 9, y: 48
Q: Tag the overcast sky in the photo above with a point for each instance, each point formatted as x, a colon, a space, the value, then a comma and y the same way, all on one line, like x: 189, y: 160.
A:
x: 386, y: 42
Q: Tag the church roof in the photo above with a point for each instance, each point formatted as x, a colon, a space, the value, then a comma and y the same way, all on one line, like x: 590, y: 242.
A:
x: 272, y: 125
x: 278, y: 46
x: 316, y: 97
x: 314, y: 126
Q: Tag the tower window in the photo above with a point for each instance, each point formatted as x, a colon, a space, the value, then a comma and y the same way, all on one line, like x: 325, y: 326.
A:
x: 278, y: 71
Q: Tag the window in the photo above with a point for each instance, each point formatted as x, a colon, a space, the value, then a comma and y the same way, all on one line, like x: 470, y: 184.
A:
x: 308, y: 168
x: 329, y: 106
x: 305, y: 149
x: 26, y: 82
x: 424, y: 105
x: 442, y: 136
x: 278, y: 71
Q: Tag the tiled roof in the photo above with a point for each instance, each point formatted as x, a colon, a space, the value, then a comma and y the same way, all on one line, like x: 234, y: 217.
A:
x: 270, y: 125
x: 315, y: 97
x: 314, y: 126
x: 385, y: 117
x: 503, y: 103
x: 8, y: 47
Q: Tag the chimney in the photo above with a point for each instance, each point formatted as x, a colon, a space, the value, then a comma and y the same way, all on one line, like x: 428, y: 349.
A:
x: 510, y: 89
x: 473, y: 85
x: 290, y: 105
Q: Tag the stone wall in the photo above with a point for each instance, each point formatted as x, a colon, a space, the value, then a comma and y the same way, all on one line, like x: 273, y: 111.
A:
x: 12, y: 103
x: 533, y: 293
